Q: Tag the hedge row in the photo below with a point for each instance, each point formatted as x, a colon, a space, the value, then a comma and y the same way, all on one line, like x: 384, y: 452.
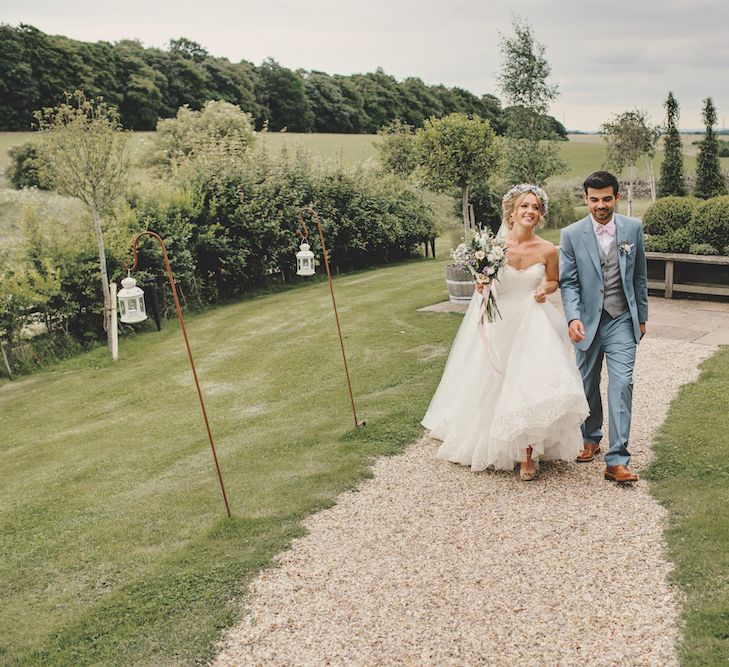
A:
x: 229, y: 227
x: 688, y: 225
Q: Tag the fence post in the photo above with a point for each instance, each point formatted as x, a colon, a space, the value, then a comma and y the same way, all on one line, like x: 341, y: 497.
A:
x: 113, y: 323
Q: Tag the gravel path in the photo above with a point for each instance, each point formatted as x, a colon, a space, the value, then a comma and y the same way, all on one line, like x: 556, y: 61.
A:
x: 431, y: 564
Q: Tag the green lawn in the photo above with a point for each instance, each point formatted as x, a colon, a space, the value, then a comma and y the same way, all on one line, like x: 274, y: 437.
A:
x: 114, y: 549
x: 690, y: 477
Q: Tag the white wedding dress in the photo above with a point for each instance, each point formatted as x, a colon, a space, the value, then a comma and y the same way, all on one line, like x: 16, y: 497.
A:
x: 489, y: 408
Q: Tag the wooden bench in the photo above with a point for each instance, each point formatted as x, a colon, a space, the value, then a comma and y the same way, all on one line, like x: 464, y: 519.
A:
x: 687, y: 264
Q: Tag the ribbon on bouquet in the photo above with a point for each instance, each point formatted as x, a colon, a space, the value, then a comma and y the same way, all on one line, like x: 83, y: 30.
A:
x: 483, y: 329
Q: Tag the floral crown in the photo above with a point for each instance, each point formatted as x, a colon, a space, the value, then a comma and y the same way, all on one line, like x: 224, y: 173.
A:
x: 527, y: 187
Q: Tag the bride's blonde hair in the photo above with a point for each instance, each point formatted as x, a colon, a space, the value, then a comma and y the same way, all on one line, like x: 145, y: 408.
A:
x: 513, y: 199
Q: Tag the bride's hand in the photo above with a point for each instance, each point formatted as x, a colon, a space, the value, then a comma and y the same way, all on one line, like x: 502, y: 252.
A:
x: 540, y: 296
x: 479, y: 287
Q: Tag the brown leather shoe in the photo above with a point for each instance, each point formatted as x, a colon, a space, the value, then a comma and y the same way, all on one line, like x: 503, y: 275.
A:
x: 620, y: 474
x: 588, y: 452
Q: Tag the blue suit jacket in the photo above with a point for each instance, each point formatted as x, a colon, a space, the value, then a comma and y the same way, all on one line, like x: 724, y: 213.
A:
x: 580, y: 275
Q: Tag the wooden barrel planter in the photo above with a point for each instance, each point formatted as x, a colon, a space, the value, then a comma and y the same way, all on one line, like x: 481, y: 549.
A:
x: 460, y: 284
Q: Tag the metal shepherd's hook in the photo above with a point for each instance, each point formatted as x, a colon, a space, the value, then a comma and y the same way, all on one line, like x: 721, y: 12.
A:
x: 189, y: 352
x: 305, y: 235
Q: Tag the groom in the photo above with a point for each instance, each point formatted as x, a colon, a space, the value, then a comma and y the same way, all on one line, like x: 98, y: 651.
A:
x: 602, y: 280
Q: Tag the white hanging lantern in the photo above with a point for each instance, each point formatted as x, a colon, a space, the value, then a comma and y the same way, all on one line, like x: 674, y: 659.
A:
x: 131, y: 302
x: 305, y: 260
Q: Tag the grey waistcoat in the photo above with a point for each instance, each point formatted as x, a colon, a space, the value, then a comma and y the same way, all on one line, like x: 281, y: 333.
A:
x: 613, y: 294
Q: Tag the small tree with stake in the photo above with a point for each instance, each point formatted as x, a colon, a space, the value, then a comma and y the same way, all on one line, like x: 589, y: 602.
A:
x: 85, y: 156
x: 531, y: 154
x: 630, y: 136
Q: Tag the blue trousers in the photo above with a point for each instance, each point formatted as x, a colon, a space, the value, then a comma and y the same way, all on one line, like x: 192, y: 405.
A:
x: 615, y: 342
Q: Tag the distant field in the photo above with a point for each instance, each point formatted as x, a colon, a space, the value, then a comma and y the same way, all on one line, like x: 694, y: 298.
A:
x: 347, y: 149
x: 7, y: 141
x: 586, y: 153
x: 583, y: 152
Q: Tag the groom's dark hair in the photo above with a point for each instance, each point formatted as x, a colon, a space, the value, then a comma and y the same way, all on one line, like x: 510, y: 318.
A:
x: 600, y: 180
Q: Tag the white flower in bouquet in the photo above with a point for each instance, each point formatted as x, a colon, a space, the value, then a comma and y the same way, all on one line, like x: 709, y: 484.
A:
x: 461, y: 255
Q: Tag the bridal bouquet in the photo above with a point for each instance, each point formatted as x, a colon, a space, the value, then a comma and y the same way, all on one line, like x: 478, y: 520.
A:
x: 483, y: 256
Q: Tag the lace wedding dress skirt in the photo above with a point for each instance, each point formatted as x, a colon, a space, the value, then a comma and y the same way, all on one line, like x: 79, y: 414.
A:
x: 489, y: 408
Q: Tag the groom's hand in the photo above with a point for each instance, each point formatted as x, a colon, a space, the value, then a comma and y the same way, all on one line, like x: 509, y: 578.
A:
x: 576, y: 331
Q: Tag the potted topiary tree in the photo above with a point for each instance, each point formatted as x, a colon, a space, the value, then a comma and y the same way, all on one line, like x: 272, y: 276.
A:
x: 457, y: 151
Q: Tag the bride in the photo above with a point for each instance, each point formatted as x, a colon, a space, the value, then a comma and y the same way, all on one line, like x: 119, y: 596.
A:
x: 522, y: 400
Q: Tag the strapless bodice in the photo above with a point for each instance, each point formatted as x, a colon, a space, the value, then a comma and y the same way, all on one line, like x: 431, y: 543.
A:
x: 516, y: 282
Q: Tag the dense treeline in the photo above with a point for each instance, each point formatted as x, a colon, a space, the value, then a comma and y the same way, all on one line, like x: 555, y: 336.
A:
x: 36, y: 70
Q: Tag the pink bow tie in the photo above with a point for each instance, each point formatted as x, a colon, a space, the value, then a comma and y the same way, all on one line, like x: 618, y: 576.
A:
x: 606, y: 229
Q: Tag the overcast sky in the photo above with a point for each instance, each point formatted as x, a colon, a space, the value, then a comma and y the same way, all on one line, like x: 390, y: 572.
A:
x: 606, y: 57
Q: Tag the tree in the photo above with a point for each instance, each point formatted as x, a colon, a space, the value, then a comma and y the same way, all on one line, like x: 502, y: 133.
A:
x: 331, y: 110
x: 381, y: 98
x: 491, y: 110
x: 85, y: 156
x: 24, y: 287
x: 23, y: 170
x: 141, y: 98
x: 630, y: 136
x: 672, y: 181
x: 36, y: 69
x: 529, y: 161
x: 19, y: 86
x: 710, y: 181
x: 100, y: 74
x: 284, y: 98
x: 531, y: 153
x: 192, y: 132
x: 418, y: 102
x: 549, y: 125
x: 151, y: 83
x: 187, y: 81
x: 397, y: 148
x: 354, y: 101
x: 457, y: 151
x: 188, y: 49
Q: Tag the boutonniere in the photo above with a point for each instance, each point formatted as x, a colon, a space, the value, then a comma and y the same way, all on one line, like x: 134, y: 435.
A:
x: 626, y: 247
